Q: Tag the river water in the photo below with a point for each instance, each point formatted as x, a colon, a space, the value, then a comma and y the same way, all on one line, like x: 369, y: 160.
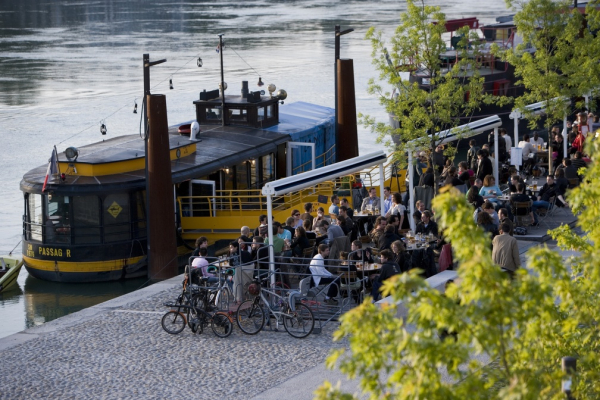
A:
x: 66, y: 66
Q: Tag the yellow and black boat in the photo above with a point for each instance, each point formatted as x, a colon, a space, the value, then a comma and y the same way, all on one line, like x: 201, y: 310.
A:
x: 89, y: 224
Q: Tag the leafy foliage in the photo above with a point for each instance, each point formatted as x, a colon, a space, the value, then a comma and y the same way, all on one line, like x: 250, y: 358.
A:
x: 416, y: 49
x: 525, y: 325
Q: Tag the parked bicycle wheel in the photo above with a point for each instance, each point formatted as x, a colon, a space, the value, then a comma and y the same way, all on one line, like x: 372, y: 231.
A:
x: 173, y: 322
x: 250, y: 317
x: 223, y: 298
x: 221, y: 325
x: 299, y: 323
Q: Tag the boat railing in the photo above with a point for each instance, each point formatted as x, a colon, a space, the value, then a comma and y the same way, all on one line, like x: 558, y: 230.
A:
x: 327, y: 158
x: 239, y: 203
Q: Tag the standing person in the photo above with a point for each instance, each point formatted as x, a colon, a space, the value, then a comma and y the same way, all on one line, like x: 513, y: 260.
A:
x: 472, y: 154
x: 557, y: 147
x: 245, y: 231
x: 507, y: 139
x: 334, y: 208
x: 321, y: 276
x: 308, y: 208
x: 262, y: 220
x: 528, y: 154
x: 438, y: 158
x: 389, y: 268
x: 290, y: 222
x: 387, y: 200
x: 464, y: 173
x: 397, y: 208
x: 505, y: 251
x: 484, y: 167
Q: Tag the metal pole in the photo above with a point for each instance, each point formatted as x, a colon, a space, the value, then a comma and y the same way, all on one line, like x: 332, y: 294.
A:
x: 270, y: 233
x: 517, y: 138
x: 222, y: 80
x: 496, y: 155
x: 335, y: 80
x: 146, y: 65
x: 411, y: 203
x: 381, y: 186
x: 569, y: 367
x: 565, y: 136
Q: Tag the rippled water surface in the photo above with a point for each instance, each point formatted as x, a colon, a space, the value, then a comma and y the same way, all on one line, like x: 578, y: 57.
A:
x: 65, y: 66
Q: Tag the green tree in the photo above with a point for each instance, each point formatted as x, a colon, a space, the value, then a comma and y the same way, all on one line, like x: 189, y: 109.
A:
x: 416, y: 50
x: 524, y: 325
x: 558, y: 58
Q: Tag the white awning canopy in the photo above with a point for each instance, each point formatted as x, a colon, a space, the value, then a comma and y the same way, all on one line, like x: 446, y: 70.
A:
x: 470, y: 129
x: 334, y: 171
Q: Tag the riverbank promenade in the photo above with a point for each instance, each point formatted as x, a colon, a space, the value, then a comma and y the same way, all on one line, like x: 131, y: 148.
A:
x: 118, y: 350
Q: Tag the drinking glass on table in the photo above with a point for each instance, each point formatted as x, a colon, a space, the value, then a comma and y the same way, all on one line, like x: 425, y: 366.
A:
x: 534, y: 183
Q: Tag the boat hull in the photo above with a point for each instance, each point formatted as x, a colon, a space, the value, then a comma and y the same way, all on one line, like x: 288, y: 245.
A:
x: 10, y: 277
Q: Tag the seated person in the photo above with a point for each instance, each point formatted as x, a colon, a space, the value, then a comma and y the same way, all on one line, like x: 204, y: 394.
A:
x: 345, y: 221
x: 299, y: 243
x: 473, y: 196
x: 378, y: 231
x: 399, y: 256
x: 489, y: 208
x: 490, y: 191
x: 358, y: 254
x: 389, y: 268
x: 333, y: 231
x: 320, y: 217
x: 521, y: 197
x: 569, y: 169
x: 528, y: 154
x: 549, y: 190
x: 372, y: 200
x: 514, y: 181
x: 427, y: 226
x: 321, y: 276
x: 308, y: 229
x: 464, y: 173
x: 284, y: 233
x: 388, y: 237
x: 200, y: 268
x: 484, y: 221
x: 308, y: 208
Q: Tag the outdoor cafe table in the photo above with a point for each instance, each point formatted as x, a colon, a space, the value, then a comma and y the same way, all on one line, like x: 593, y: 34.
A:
x: 364, y: 218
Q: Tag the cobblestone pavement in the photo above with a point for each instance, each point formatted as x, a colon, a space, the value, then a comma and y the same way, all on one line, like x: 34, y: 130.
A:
x: 124, y: 353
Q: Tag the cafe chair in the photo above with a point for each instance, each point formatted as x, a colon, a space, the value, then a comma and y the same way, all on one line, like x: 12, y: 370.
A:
x: 573, y: 183
x: 352, y: 286
x: 522, y: 212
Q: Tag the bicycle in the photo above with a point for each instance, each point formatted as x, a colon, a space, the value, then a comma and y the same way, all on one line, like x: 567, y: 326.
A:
x: 297, y: 319
x: 174, y: 320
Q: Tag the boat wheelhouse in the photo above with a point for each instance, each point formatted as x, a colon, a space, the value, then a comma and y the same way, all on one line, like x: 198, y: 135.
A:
x: 90, y: 223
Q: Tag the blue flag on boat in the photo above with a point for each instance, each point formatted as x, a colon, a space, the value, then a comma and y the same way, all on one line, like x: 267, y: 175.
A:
x: 52, y: 167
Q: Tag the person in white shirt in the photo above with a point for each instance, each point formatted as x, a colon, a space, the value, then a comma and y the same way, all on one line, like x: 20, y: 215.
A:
x: 528, y: 161
x: 200, y: 267
x: 506, y: 138
x: 321, y: 276
x: 536, y: 141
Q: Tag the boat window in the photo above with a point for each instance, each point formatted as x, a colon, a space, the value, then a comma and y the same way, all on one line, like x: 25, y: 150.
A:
x: 237, y: 115
x: 261, y: 113
x: 269, y: 110
x: 268, y: 168
x: 57, y: 223
x: 34, y: 217
x: 241, y: 172
x: 253, y: 174
x: 86, y: 220
x: 228, y: 177
x: 116, y: 217
x: 213, y: 114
